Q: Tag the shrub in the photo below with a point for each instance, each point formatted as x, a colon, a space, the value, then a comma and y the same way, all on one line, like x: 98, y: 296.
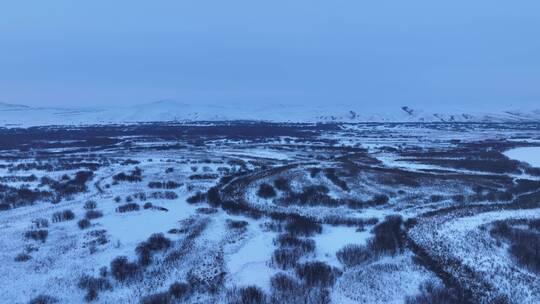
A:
x: 353, y: 255
x: 87, y: 282
x: 122, y: 269
x: 285, y: 258
x: 43, y: 299
x: 282, y: 184
x: 299, y: 225
x: 84, y: 223
x: 158, y: 241
x: 290, y: 241
x: 431, y: 292
x: 103, y: 272
x: 40, y: 223
x: 247, y: 295
x: 283, y: 283
x: 534, y: 224
x: 155, y: 242
x: 167, y: 185
x: 206, y: 210
x: 213, y: 196
x: 128, y: 207
x: 198, y: 197
x: 236, y: 224
x: 93, y: 214
x: 379, y: 199
x: 144, y: 254
x: 266, y: 191
x: 314, y: 171
x: 158, y: 298
x: 330, y: 173
x: 22, y: 257
x: 91, y: 295
x: 89, y: 205
x: 61, y: 216
x: 389, y: 236
x: 117, y: 199
x: 317, y: 274
x: 179, y: 290
x: 147, y: 205
x: 134, y: 176
x: 37, y: 235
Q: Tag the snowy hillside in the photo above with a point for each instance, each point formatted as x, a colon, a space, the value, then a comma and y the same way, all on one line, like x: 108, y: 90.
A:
x: 167, y: 110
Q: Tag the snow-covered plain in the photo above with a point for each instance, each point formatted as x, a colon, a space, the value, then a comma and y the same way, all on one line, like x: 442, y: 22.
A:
x: 231, y: 197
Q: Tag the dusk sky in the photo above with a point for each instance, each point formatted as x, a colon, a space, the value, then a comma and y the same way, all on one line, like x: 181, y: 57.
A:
x: 463, y: 53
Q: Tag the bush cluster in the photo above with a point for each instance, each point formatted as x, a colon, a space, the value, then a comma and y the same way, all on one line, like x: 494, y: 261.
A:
x: 90, y: 205
x: 156, y: 242
x: 127, y: 207
x: 93, y: 214
x: 353, y: 255
x: 37, y: 235
x: 431, y: 292
x: 61, y: 216
x: 83, y: 223
x: 164, y: 185
x: 122, y: 269
x: 317, y: 274
x: 266, y: 191
x: 132, y: 177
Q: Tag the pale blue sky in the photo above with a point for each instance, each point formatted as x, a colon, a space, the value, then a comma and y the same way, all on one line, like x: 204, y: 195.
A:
x: 461, y: 52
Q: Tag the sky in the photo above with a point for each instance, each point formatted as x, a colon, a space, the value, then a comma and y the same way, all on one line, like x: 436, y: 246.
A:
x: 462, y: 53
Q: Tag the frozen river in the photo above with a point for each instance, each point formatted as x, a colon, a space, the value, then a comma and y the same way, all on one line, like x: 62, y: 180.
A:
x: 529, y: 155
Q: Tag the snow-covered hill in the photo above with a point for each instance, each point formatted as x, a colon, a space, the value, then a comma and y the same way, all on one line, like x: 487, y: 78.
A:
x: 167, y: 110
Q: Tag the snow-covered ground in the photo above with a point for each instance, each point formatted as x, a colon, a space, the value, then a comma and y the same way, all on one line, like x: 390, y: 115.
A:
x: 530, y: 155
x: 205, y: 195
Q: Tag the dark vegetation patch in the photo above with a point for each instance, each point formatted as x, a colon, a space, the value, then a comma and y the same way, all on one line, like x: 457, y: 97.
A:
x: 68, y: 186
x: 206, y: 210
x: 266, y: 191
x: 93, y: 214
x: 62, y: 216
x: 179, y: 290
x: 93, y: 286
x: 12, y: 197
x: 330, y: 173
x: 90, y: 205
x: 164, y: 185
x: 44, y: 299
x: 83, y: 224
x: 132, y: 177
x: 22, y: 257
x: 156, y: 242
x: 524, y: 243
x: 246, y: 295
x: 389, y: 239
x: 431, y: 292
x: 282, y: 184
x: 165, y: 195
x: 157, y: 298
x: 317, y: 274
x: 206, y: 176
x: 128, y: 207
x: 290, y: 250
x: 123, y: 270
x: 198, y: 197
x: 233, y: 224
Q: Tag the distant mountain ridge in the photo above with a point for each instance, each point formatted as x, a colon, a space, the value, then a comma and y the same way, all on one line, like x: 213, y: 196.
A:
x: 168, y: 110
